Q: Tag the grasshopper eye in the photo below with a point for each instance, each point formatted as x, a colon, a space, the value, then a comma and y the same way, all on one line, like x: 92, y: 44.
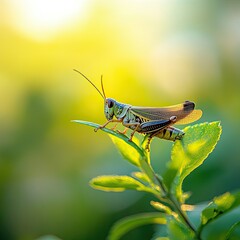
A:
x: 110, y: 103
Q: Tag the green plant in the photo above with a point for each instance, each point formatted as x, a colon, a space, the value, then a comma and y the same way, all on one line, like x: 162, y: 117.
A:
x: 187, y: 154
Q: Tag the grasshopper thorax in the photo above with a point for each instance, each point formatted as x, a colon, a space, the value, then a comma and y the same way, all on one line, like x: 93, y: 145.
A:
x: 109, y: 105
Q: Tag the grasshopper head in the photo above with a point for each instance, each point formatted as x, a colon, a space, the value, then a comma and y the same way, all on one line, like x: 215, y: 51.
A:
x: 109, y: 108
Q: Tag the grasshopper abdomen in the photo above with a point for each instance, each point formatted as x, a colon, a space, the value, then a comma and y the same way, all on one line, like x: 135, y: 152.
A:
x: 170, y: 133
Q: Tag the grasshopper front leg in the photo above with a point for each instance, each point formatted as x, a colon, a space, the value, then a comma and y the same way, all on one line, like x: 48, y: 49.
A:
x: 123, y: 132
x: 105, y: 124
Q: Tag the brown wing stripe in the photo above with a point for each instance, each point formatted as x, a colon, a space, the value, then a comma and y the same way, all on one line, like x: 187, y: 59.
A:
x: 188, y: 106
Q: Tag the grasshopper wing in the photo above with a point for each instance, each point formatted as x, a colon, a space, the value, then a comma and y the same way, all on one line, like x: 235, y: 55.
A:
x: 184, y: 112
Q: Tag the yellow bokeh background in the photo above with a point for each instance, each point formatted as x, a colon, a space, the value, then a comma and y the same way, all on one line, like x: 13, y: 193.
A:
x: 151, y: 53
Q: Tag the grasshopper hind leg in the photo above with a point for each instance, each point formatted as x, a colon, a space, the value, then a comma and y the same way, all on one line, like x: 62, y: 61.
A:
x: 156, y: 128
x: 149, y: 139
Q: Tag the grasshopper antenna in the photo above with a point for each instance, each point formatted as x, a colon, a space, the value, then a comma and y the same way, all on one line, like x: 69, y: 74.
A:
x: 103, y: 87
x: 102, y: 94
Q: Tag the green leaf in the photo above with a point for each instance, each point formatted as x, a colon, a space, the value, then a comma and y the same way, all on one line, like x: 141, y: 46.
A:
x: 189, y: 153
x: 127, y: 224
x: 129, y: 149
x: 161, y: 238
x: 48, y: 237
x: 141, y: 176
x: 219, y: 227
x: 129, y: 152
x: 161, y: 207
x: 147, y: 169
x: 219, y: 206
x: 231, y: 230
x: 177, y: 230
x: 116, y: 183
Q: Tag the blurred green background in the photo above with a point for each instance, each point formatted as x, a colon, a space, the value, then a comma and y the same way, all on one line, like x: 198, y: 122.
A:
x: 151, y: 53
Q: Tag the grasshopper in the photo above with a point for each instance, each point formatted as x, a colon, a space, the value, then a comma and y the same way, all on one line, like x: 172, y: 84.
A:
x: 153, y: 121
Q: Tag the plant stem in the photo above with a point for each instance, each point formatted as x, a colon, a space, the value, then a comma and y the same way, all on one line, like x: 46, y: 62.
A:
x: 176, y: 205
x: 169, y: 198
x: 182, y: 214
